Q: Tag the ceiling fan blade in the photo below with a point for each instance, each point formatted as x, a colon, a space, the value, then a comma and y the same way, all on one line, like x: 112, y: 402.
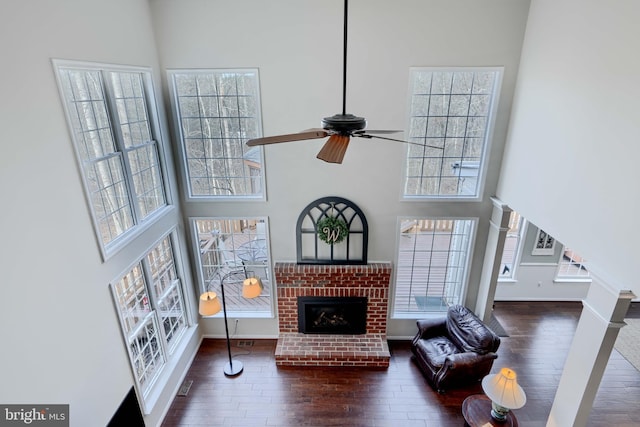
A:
x: 312, y: 134
x: 333, y: 150
x: 315, y: 130
x: 378, y: 131
x: 366, y: 135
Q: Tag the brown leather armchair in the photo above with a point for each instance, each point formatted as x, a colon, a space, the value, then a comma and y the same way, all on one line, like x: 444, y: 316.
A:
x: 455, y: 349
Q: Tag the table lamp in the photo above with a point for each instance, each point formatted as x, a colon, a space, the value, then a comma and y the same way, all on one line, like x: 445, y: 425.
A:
x: 505, y: 393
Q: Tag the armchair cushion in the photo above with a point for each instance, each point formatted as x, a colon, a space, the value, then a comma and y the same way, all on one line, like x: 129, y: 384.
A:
x: 436, y: 350
x: 454, y: 349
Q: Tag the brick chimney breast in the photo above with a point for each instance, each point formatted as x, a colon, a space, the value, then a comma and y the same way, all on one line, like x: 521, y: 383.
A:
x: 371, y: 281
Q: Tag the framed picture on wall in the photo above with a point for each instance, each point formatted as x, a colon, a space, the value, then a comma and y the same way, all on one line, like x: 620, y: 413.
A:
x: 544, y: 244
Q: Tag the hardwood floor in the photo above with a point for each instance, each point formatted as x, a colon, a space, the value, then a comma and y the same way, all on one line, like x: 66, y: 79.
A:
x: 263, y: 395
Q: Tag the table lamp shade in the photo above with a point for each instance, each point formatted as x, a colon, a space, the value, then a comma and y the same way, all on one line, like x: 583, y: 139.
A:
x: 209, y: 304
x: 503, y: 389
x: 252, y: 287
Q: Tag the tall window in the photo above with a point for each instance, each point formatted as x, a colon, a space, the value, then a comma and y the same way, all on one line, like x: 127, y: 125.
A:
x: 451, y: 114
x: 150, y: 304
x: 572, y: 267
x: 217, y: 112
x: 433, y: 258
x: 112, y: 116
x: 235, y: 249
x: 512, y: 246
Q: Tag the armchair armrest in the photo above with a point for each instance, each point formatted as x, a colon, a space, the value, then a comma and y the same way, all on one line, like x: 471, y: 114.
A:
x: 468, y: 360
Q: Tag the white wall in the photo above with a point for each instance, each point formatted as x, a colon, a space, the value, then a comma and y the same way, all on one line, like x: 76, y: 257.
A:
x: 536, y: 282
x: 61, y: 341
x: 571, y: 161
x: 297, y: 47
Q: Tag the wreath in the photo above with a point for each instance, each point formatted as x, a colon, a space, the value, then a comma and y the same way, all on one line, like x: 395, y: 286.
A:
x: 332, y: 230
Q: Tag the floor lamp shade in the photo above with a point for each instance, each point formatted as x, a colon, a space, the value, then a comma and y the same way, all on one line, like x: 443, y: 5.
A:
x: 209, y: 304
x: 252, y: 287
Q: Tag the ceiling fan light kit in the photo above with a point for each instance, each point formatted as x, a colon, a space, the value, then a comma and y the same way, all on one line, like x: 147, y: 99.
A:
x: 339, y: 127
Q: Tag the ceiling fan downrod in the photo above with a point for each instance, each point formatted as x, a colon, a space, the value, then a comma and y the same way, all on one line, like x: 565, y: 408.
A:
x: 344, y: 59
x: 344, y: 124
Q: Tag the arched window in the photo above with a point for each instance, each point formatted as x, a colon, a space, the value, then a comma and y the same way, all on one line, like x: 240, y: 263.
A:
x: 332, y: 230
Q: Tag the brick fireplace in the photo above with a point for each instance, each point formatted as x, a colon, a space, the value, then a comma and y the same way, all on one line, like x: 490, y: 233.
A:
x: 370, y: 281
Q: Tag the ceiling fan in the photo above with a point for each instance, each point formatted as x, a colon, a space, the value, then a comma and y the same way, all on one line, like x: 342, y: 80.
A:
x: 339, y: 127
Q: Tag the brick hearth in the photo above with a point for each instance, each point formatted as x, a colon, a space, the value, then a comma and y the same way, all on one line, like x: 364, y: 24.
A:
x: 370, y: 281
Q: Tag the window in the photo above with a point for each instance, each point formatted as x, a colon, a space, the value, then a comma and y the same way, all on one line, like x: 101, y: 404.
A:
x: 512, y: 246
x: 217, y: 112
x: 544, y: 244
x: 240, y: 246
x: 150, y: 304
x: 433, y: 258
x: 111, y: 114
x: 572, y: 267
x: 451, y: 114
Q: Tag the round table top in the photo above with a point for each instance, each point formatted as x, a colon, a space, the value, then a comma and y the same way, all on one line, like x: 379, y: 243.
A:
x: 476, y: 411
x: 252, y: 251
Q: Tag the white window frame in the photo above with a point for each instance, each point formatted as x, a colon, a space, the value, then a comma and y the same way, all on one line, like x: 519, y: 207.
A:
x: 140, y: 219
x: 456, y: 277
x: 518, y: 235
x: 221, y: 250
x: 463, y: 167
x: 248, y: 175
x: 578, y: 265
x: 150, y: 316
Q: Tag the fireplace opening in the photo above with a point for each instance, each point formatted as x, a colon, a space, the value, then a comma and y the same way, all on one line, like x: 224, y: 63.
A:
x: 332, y: 315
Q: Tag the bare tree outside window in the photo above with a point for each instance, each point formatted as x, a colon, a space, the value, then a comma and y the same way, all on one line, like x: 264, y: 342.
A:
x: 451, y: 111
x: 217, y: 112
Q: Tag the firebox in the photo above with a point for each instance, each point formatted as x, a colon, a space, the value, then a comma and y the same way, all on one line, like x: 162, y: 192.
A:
x: 332, y: 315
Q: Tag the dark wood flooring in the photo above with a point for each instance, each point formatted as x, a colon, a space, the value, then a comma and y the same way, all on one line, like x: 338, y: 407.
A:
x: 540, y: 334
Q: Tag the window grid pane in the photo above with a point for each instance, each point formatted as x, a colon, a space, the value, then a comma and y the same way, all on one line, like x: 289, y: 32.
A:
x: 135, y: 133
x: 147, y: 355
x: 83, y: 92
x: 431, y: 265
x: 235, y: 246
x: 172, y: 313
x: 162, y: 267
x: 218, y: 112
x: 132, y: 299
x: 109, y: 196
x: 131, y: 107
x: 449, y: 116
x: 572, y: 266
x: 167, y: 290
x: 147, y: 178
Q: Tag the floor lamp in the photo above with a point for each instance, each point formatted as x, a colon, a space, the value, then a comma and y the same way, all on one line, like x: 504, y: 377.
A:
x: 210, y: 305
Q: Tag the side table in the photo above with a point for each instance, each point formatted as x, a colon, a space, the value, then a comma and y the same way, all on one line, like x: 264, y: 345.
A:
x: 476, y: 411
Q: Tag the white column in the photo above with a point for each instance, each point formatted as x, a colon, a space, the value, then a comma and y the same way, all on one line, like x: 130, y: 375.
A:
x: 499, y: 225
x: 598, y: 327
